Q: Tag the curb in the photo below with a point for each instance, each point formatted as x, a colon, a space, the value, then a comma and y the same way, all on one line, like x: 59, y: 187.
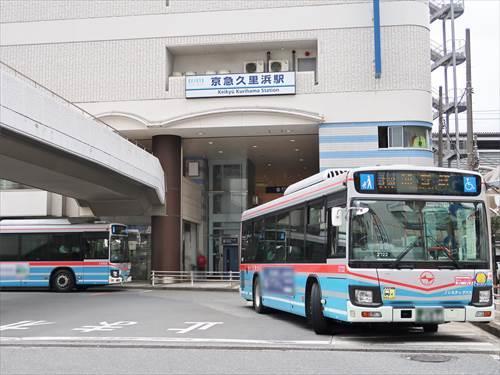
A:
x: 493, y: 328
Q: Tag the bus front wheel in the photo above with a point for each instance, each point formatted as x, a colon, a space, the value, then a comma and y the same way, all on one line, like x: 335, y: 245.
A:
x: 257, y: 297
x: 319, y: 322
x: 430, y: 328
x: 63, y: 281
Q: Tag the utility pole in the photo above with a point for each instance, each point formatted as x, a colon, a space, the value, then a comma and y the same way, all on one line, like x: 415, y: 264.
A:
x: 468, y: 89
x: 455, y: 95
x: 440, y: 128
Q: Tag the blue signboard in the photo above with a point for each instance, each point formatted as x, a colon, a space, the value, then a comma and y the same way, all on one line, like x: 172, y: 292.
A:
x: 367, y: 181
x: 470, y: 184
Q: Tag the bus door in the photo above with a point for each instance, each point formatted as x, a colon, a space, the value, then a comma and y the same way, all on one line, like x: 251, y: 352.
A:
x: 96, y: 258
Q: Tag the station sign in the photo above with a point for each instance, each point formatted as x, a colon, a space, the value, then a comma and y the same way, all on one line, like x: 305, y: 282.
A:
x: 252, y: 84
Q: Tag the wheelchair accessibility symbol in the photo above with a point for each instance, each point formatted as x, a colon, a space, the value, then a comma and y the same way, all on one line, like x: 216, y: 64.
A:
x: 470, y: 184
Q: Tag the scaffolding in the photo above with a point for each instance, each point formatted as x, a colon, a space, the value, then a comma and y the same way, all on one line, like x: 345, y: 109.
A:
x: 448, y: 54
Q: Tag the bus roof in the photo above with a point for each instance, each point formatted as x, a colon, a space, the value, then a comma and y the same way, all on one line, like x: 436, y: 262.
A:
x: 330, y: 181
x: 50, y: 225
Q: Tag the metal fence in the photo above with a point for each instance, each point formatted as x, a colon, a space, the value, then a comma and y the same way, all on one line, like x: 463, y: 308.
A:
x: 194, y: 277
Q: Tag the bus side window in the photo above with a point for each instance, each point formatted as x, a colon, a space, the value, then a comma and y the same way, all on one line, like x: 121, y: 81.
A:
x: 95, y: 245
x: 34, y: 246
x: 296, y: 243
x: 337, y: 238
x: 9, y: 247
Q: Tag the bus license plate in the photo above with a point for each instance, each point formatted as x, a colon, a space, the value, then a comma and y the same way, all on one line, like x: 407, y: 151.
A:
x: 433, y: 315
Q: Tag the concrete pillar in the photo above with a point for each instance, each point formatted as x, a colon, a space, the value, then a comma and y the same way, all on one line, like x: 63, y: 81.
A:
x: 166, y: 230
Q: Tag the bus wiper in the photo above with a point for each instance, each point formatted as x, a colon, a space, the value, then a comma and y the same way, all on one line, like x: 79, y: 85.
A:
x: 446, y: 250
x: 403, y: 254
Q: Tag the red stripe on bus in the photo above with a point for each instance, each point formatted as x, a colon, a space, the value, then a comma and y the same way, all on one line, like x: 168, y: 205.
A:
x: 296, y: 197
x: 338, y: 268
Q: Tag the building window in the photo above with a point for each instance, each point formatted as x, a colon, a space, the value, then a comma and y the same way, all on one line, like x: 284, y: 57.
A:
x: 403, y: 136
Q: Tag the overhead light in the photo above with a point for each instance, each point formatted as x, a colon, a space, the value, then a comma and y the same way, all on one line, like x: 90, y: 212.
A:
x: 301, y: 160
x: 288, y: 131
x: 297, y: 149
x: 210, y: 142
x: 220, y: 152
x: 292, y: 140
x: 254, y: 146
x: 269, y: 164
x: 201, y: 133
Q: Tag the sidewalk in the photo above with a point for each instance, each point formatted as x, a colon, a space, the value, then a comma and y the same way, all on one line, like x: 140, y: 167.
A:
x: 494, y: 326
x: 220, y: 286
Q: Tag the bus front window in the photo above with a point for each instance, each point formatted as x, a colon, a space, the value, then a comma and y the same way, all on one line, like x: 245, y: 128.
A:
x: 419, y: 231
x: 119, y: 249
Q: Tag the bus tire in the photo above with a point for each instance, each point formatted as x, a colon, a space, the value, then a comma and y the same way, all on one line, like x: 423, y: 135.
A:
x: 319, y: 323
x: 257, y: 297
x: 430, y: 328
x: 63, y: 281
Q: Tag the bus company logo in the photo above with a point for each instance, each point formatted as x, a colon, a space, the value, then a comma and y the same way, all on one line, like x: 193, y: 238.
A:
x: 427, y: 278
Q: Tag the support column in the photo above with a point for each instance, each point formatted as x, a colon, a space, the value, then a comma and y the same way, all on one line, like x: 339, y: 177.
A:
x: 166, y: 230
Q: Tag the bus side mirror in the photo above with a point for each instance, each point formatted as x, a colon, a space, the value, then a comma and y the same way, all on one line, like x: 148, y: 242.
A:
x: 337, y: 216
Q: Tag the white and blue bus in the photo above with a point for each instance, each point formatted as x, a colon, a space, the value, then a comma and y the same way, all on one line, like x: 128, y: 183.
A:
x: 398, y: 244
x: 63, y: 256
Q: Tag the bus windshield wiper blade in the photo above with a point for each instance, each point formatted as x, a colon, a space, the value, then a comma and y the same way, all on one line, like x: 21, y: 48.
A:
x: 403, y: 254
x: 445, y: 250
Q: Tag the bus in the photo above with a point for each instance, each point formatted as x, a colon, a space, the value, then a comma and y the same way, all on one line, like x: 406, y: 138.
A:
x: 400, y: 244
x: 58, y: 254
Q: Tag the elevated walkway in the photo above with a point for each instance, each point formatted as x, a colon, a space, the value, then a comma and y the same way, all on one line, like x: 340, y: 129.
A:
x: 48, y: 143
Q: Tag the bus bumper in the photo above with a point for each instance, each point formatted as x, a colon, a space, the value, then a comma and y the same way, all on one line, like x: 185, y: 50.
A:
x: 119, y: 280
x: 358, y: 314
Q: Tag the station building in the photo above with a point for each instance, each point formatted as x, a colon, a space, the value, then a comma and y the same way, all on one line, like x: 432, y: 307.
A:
x: 238, y: 99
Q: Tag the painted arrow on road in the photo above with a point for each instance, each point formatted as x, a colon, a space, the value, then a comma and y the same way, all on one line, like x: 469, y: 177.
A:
x: 24, y: 324
x: 202, y: 326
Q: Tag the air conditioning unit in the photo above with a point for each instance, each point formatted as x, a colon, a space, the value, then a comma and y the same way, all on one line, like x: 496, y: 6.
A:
x: 253, y: 66
x: 278, y: 65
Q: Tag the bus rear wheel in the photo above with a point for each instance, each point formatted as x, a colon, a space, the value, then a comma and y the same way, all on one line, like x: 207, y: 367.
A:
x: 319, y: 323
x: 257, y: 297
x: 63, y: 281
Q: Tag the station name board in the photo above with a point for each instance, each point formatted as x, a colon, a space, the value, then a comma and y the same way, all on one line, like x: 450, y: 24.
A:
x: 252, y: 84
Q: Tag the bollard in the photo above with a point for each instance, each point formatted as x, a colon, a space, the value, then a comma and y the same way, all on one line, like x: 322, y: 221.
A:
x: 192, y: 279
x: 153, y: 278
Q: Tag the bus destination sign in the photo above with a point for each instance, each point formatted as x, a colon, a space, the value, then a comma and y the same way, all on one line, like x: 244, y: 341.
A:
x: 415, y: 182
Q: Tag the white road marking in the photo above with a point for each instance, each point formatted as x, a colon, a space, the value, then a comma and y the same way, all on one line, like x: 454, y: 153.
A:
x: 496, y: 357
x: 104, y: 326
x: 24, y: 324
x: 203, y: 326
x: 166, y: 339
x: 146, y: 291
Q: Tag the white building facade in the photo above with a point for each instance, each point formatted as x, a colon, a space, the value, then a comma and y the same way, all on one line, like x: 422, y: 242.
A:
x: 237, y: 99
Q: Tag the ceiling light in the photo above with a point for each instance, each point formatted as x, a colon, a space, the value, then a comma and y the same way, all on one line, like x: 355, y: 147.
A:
x: 288, y: 131
x: 301, y: 160
x: 297, y: 149
x: 210, y: 142
x: 292, y: 140
x: 220, y: 152
x: 269, y: 164
x: 254, y: 146
x: 201, y: 133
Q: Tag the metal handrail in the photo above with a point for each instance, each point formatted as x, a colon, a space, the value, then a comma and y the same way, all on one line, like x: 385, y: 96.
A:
x: 67, y: 102
x: 192, y: 277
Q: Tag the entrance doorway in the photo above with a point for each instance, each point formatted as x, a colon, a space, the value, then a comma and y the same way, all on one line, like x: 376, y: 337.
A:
x: 231, y: 261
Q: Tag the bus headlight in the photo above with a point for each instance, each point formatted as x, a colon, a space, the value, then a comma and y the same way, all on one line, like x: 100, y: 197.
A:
x: 365, y: 296
x: 481, y: 296
x: 115, y: 273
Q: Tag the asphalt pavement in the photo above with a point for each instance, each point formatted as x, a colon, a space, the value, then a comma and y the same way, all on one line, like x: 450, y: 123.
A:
x: 136, y: 331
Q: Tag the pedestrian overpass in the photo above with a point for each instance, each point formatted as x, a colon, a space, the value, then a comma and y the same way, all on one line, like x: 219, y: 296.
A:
x: 48, y: 143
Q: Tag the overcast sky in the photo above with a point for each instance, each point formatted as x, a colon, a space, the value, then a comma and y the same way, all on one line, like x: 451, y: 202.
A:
x: 483, y: 19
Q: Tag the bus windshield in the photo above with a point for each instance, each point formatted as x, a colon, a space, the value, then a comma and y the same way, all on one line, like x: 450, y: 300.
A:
x: 415, y: 231
x: 119, y: 249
